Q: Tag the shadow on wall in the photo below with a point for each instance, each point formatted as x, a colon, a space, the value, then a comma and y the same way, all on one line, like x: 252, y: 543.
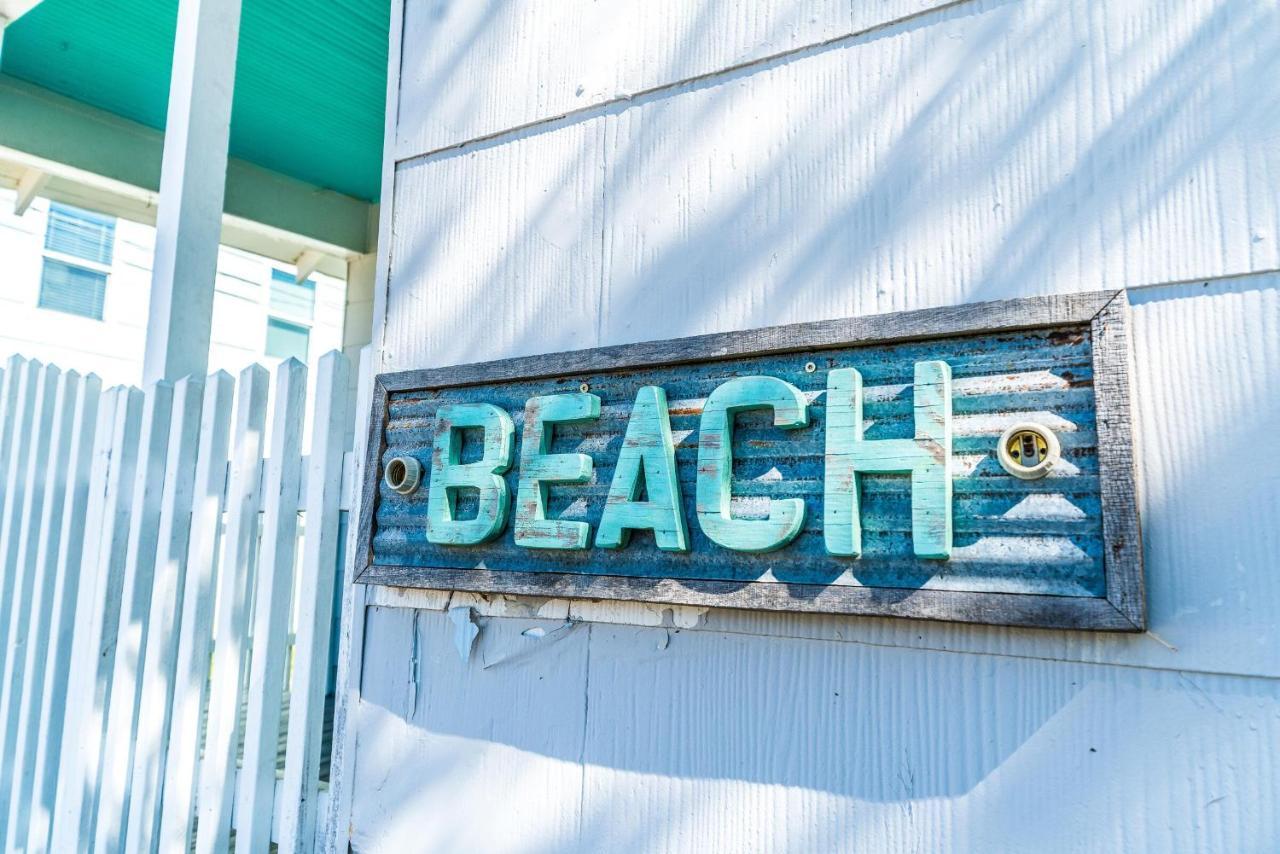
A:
x: 771, y: 205
x: 626, y: 738
x: 608, y: 737
x: 978, y: 152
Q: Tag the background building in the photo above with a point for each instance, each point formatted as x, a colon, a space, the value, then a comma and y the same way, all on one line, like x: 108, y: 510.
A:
x: 77, y: 284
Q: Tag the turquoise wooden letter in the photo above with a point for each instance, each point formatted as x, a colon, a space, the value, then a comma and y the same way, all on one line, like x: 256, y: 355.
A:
x: 927, y: 458
x: 715, y: 464
x: 538, y: 468
x: 647, y: 448
x: 448, y: 475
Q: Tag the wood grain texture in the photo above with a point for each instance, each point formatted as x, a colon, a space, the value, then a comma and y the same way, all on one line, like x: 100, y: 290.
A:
x: 1071, y: 197
x: 926, y: 456
x: 449, y: 474
x: 539, y: 468
x: 647, y: 457
x: 787, y: 409
x: 1122, y: 530
x: 533, y: 222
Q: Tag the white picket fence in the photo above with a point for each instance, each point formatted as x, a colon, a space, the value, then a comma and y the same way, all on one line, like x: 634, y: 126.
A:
x: 150, y: 573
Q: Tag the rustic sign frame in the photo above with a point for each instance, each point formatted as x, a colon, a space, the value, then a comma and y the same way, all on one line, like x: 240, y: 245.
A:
x: 1123, y: 608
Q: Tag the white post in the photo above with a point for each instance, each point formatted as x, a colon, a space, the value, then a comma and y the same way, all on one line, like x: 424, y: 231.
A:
x: 357, y: 326
x: 192, y: 183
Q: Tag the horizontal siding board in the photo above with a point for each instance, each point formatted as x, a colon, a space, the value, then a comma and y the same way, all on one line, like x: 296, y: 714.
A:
x: 815, y: 188
x: 481, y: 68
x: 730, y: 741
x: 423, y: 706
x: 718, y: 741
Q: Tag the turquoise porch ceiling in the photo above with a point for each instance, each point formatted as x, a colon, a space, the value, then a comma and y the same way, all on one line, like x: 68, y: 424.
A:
x: 310, y: 76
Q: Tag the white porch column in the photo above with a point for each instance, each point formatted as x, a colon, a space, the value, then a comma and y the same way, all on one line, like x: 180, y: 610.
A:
x: 192, y: 182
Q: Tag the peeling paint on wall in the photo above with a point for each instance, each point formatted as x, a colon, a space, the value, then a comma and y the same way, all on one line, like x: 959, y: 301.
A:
x: 465, y: 631
x: 508, y: 605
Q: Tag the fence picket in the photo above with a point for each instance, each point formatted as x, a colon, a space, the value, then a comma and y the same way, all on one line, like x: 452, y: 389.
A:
x: 80, y: 538
x: 15, y: 483
x: 93, y: 646
x: 71, y: 424
x: 164, y: 479
x: 8, y: 422
x: 22, y: 571
x: 217, y: 768
x: 334, y: 835
x: 271, y: 611
x: 297, y: 807
x: 114, y: 568
x: 188, y: 549
x: 72, y: 442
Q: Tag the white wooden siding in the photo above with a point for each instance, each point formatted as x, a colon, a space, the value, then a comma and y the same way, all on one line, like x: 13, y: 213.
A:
x: 945, y: 153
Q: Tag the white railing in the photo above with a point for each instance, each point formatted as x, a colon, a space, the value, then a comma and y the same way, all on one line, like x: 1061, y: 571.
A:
x: 149, y: 568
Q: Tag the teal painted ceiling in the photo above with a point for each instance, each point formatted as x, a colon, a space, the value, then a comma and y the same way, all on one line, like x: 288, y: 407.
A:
x: 310, y: 76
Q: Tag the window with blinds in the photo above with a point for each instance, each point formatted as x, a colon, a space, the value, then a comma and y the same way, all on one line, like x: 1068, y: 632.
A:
x: 292, y: 305
x: 78, y: 247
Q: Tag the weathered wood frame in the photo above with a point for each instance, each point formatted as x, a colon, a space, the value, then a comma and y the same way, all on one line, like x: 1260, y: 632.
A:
x: 1106, y: 312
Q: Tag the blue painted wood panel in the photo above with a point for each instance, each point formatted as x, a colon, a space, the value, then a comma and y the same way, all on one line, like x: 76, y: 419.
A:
x: 1012, y: 536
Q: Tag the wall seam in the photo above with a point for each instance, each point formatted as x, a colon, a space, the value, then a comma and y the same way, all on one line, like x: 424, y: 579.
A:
x: 582, y: 747
x: 652, y: 93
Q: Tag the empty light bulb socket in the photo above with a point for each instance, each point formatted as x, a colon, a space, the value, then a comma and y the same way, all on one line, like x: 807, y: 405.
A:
x: 402, y: 475
x: 1028, y: 450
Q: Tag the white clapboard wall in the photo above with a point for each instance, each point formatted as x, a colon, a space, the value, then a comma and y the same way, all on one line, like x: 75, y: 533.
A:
x: 568, y: 173
x: 167, y: 582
